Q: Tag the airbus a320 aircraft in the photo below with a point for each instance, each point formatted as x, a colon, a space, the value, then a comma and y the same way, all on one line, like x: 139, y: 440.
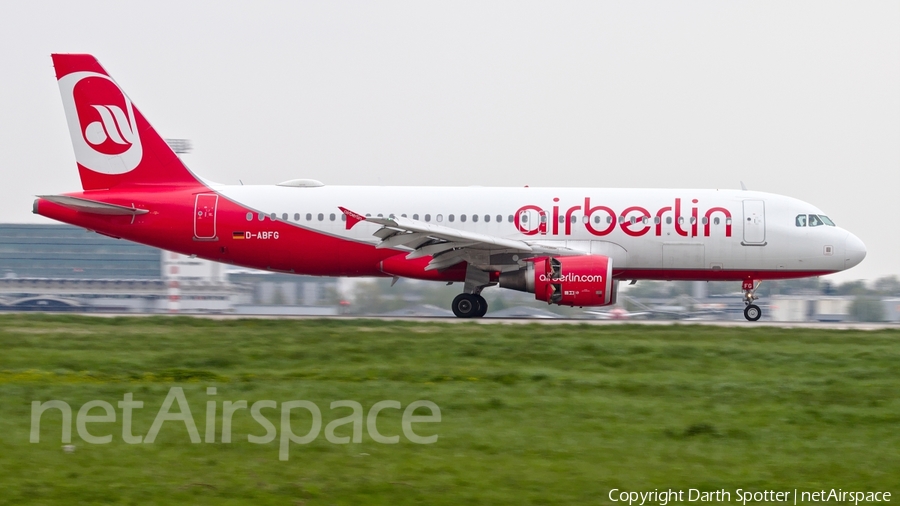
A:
x: 568, y: 246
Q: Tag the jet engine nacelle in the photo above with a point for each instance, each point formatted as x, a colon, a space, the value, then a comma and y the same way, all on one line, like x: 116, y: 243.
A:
x: 567, y: 281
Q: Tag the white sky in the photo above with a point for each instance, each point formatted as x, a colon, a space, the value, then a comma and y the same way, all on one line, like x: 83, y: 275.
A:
x: 796, y: 98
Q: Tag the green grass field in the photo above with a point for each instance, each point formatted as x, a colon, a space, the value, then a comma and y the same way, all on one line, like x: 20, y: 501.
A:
x: 531, y: 414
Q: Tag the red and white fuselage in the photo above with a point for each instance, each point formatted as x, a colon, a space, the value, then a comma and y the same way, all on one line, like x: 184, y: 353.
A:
x: 135, y: 188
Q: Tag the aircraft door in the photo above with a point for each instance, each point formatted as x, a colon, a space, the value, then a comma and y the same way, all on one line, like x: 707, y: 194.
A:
x: 754, y: 223
x: 205, y: 217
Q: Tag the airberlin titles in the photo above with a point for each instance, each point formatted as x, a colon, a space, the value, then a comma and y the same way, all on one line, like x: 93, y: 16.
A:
x: 634, y: 221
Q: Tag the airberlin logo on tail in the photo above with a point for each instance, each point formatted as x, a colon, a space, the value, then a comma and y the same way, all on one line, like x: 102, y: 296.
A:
x: 101, y: 122
x: 113, y: 126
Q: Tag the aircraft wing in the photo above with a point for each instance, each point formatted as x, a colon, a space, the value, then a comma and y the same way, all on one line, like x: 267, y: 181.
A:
x: 449, y: 246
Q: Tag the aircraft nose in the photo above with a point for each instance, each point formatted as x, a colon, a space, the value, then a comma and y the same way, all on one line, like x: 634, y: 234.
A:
x: 855, y: 251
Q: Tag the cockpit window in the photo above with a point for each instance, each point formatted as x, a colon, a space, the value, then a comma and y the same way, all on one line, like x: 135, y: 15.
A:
x: 813, y: 220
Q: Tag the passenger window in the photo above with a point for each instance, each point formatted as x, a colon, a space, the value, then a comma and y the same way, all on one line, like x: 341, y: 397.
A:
x: 668, y: 220
x: 543, y: 218
x: 681, y: 220
x: 814, y: 221
x: 296, y: 216
x: 439, y: 218
x: 608, y: 220
x: 331, y: 217
x: 475, y: 218
x: 451, y: 218
x: 573, y: 219
x: 693, y: 220
x: 261, y: 216
x: 633, y: 220
x: 284, y: 216
x: 343, y: 217
x: 272, y: 216
x: 716, y: 221
x: 644, y: 220
x: 416, y: 216
x: 621, y: 219
x: 427, y: 217
x: 321, y: 216
x: 249, y: 216
x: 403, y: 215
x: 800, y: 221
x: 656, y: 220
x: 462, y: 218
x: 562, y: 219
x: 379, y: 215
x: 705, y: 220
x: 309, y: 216
x: 510, y: 218
x: 524, y: 218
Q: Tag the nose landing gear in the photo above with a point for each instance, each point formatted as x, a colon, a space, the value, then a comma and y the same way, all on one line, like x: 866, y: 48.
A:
x: 752, y: 312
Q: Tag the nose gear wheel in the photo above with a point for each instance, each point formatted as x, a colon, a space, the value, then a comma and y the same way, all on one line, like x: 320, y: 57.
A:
x: 752, y: 312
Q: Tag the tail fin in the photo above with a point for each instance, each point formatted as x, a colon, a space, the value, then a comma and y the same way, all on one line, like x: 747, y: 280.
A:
x: 114, y: 144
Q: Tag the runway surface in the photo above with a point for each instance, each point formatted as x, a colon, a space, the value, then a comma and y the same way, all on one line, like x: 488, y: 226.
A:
x: 567, y: 321
x: 487, y: 320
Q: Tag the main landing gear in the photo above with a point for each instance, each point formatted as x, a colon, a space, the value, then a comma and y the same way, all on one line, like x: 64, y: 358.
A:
x: 469, y: 305
x: 752, y: 312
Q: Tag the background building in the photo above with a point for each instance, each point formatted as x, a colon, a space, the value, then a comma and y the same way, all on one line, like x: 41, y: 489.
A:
x: 65, y: 268
x: 67, y: 252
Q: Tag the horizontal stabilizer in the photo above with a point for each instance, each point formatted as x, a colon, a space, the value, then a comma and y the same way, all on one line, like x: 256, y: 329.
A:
x: 92, y: 206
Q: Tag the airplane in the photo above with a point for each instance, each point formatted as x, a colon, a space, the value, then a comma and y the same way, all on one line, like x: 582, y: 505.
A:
x: 568, y: 246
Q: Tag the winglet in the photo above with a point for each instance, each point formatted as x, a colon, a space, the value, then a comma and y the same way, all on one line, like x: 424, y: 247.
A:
x: 352, y: 218
x: 743, y: 186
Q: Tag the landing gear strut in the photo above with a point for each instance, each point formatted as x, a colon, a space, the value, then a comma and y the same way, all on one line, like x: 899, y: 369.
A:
x: 469, y: 305
x: 752, y: 312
